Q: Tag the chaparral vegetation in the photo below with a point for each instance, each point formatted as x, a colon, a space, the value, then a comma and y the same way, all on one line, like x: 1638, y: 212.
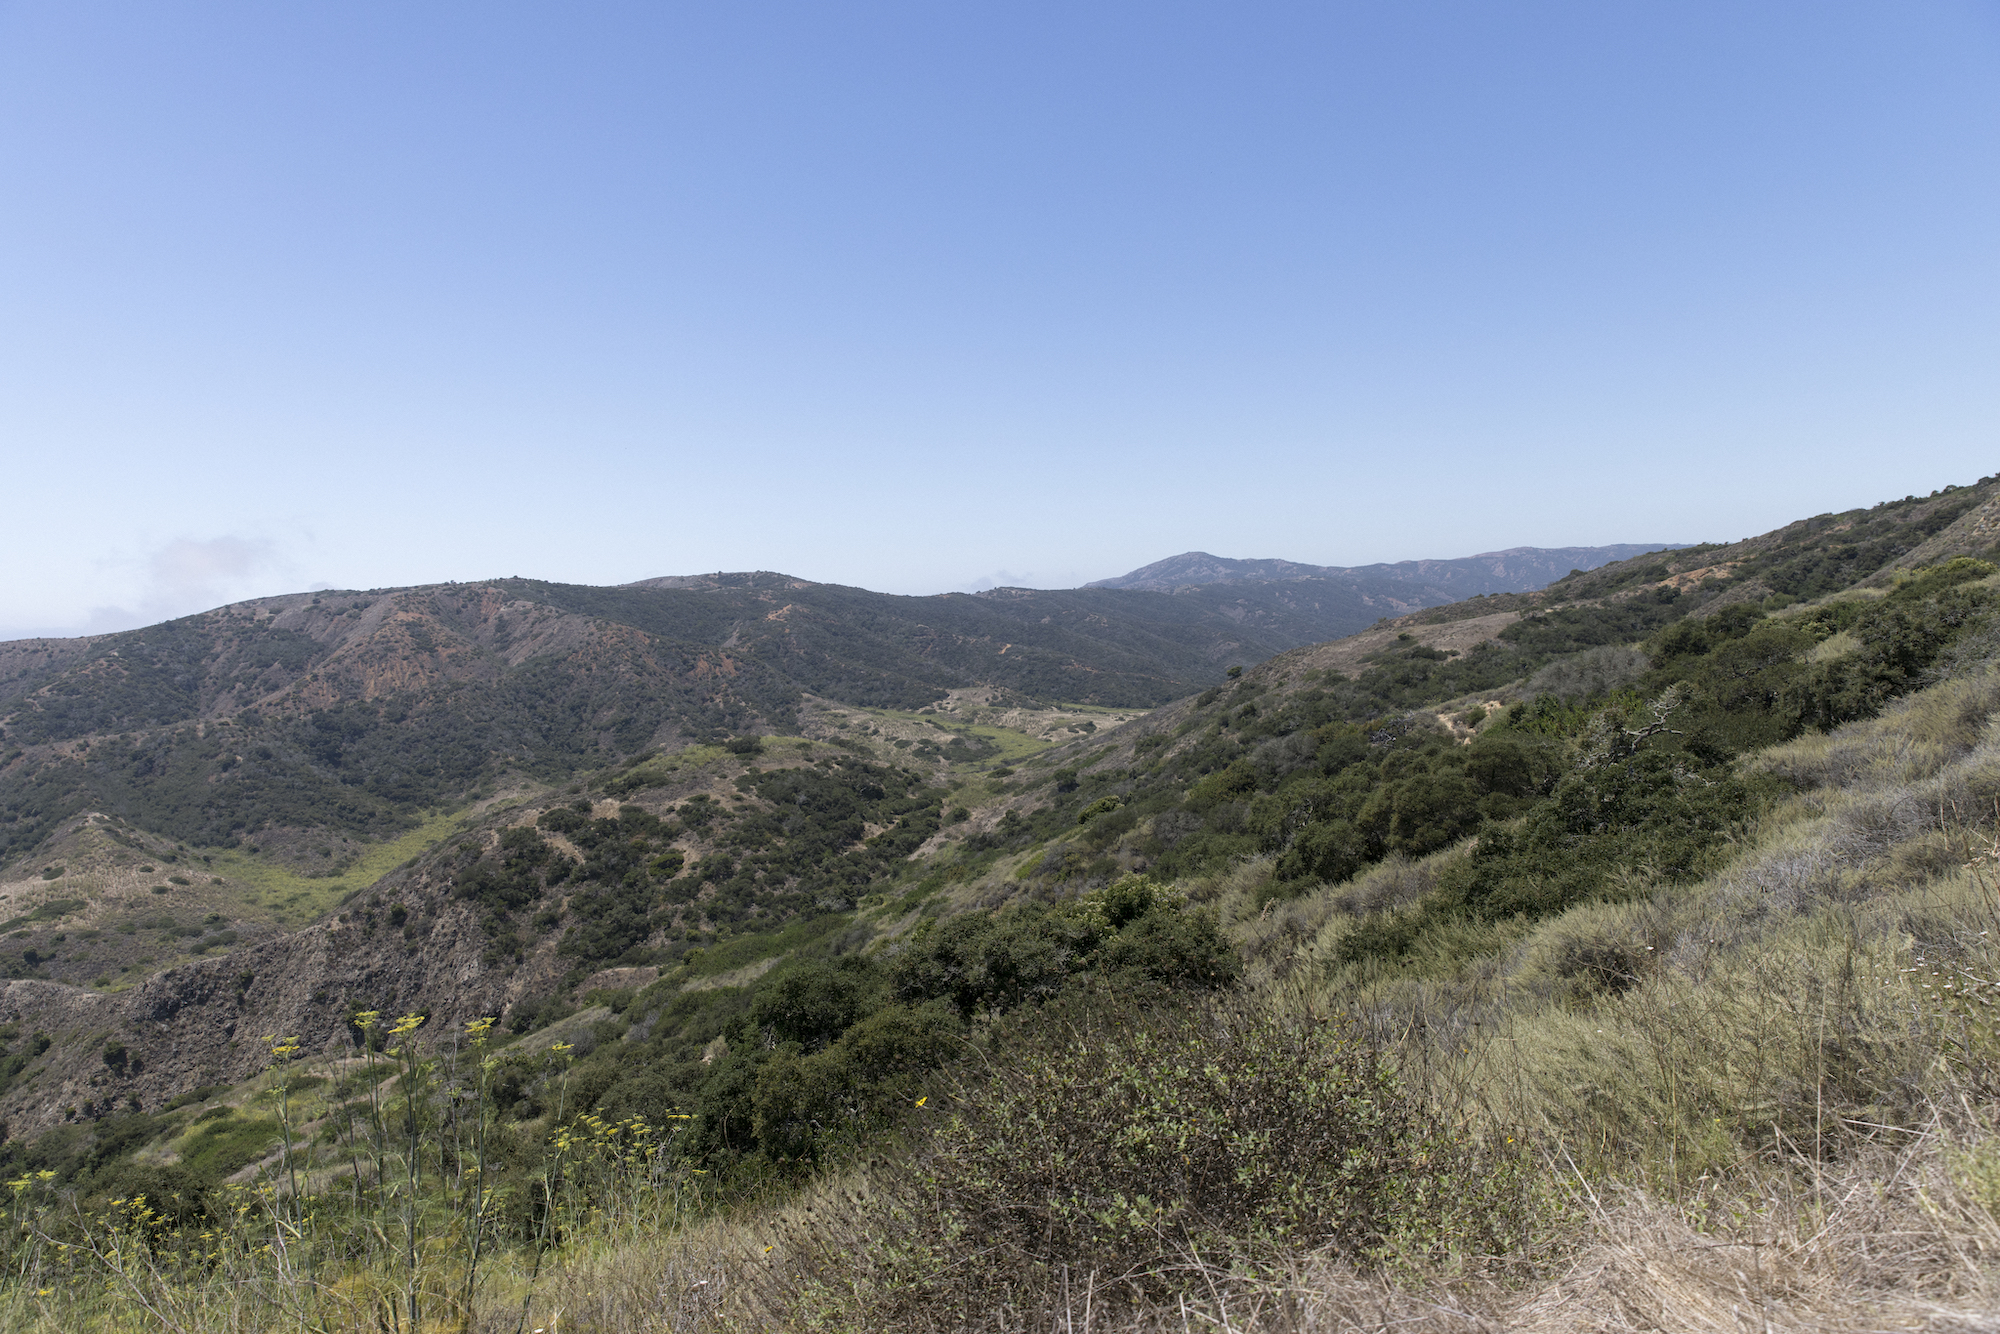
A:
x: 1618, y: 955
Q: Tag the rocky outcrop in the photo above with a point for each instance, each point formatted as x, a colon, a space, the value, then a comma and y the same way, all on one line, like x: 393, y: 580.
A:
x: 206, y: 1022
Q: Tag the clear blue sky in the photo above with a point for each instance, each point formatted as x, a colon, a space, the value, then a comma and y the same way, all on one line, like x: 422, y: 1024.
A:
x: 925, y: 296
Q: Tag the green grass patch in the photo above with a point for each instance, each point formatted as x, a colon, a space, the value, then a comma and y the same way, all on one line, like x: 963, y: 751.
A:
x: 361, y: 1077
x: 1012, y: 745
x: 288, y: 895
x: 221, y: 1144
x: 659, y: 770
x: 913, y: 900
x: 742, y: 951
x: 48, y: 912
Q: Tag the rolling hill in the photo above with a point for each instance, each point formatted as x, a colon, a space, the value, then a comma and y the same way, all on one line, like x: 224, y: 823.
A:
x: 176, y: 796
x: 1680, y: 867
x: 1516, y: 570
x: 350, y: 712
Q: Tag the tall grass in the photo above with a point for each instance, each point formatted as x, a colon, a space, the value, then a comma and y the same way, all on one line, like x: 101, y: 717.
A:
x: 1813, y: 986
x: 383, y: 1209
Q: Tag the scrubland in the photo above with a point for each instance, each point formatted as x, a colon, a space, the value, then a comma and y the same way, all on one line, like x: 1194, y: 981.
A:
x: 1764, y: 1099
x: 1653, y: 988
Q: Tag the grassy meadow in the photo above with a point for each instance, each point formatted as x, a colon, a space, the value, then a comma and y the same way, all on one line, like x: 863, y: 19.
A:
x: 295, y: 899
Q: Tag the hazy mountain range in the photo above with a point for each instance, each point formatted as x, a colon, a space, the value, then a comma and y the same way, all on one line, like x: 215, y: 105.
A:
x: 350, y: 709
x: 1514, y: 570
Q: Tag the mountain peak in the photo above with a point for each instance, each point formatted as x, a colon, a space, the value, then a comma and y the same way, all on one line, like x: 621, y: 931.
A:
x: 1515, y: 570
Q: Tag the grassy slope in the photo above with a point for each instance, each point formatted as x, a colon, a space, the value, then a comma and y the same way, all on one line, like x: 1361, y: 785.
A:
x: 1773, y: 1054
x: 1761, y: 1051
x: 296, y: 899
x: 1734, y: 1094
x: 1776, y: 1062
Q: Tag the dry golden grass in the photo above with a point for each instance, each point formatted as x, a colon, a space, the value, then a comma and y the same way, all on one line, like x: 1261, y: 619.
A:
x: 1889, y: 1244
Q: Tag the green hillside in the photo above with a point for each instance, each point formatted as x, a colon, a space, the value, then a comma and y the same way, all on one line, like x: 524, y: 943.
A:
x: 355, y: 713
x: 1650, y: 911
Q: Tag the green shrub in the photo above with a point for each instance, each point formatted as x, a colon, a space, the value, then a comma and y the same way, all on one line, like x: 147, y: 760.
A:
x: 807, y: 1107
x: 1902, y: 637
x: 1102, y: 806
x: 1121, y: 1139
x: 987, y: 962
x: 813, y: 1004
x: 1934, y: 579
x: 1622, y: 807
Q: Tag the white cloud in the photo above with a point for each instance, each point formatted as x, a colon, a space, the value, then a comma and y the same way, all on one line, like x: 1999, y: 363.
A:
x: 998, y: 579
x: 177, y: 578
x: 195, y: 575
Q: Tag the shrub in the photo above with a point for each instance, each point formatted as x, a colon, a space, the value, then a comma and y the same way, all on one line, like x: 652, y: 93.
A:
x: 1901, y: 638
x: 224, y: 1142
x: 981, y: 961
x: 806, y: 1108
x: 813, y: 1004
x: 1327, y: 850
x: 1120, y: 1139
x: 1600, y: 671
x: 1102, y: 806
x: 1934, y: 579
x: 988, y: 962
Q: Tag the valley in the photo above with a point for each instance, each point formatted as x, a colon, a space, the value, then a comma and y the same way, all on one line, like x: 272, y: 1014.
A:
x: 774, y: 865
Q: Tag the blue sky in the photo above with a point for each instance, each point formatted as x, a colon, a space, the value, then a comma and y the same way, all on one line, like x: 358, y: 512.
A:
x: 928, y: 296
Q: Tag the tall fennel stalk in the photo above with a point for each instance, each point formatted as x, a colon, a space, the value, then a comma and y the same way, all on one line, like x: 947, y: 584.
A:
x: 478, y: 1031
x: 552, y: 1170
x: 410, y: 1077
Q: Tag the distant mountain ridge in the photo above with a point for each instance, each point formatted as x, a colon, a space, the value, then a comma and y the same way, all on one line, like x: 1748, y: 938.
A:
x: 1515, y: 570
x: 353, y: 710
